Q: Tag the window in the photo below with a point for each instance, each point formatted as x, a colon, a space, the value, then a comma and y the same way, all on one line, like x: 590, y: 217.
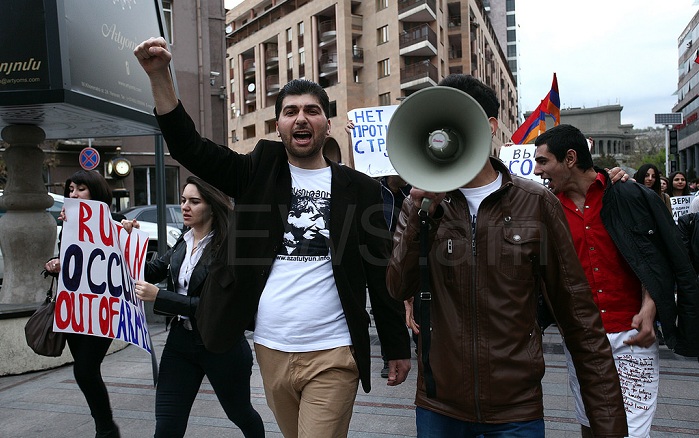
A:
x: 289, y: 35
x: 167, y: 13
x: 382, y: 35
x: 511, y: 35
x: 384, y: 68
x: 333, y: 109
x: 511, y: 51
x: 384, y: 99
x: 302, y: 57
x: 381, y: 4
x: 144, y: 183
x: 511, y: 21
x: 300, y: 37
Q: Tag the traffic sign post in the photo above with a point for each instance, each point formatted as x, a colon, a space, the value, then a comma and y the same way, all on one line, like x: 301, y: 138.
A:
x: 89, y: 158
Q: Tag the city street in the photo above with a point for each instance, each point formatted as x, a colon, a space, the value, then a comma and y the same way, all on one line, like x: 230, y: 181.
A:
x: 49, y: 403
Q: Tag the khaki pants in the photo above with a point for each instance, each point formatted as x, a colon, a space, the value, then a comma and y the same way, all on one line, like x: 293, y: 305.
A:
x: 312, y: 393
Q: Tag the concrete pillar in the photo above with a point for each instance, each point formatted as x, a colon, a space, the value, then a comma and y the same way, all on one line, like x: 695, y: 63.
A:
x: 27, y: 231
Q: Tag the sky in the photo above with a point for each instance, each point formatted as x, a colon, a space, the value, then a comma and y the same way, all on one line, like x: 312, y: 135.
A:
x: 603, y: 52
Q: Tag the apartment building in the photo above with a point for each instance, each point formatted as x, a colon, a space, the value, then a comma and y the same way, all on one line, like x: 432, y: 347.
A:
x: 364, y: 53
x: 687, y: 97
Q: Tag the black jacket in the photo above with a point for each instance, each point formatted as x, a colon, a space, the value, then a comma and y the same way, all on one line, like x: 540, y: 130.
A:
x: 168, y: 301
x: 260, y: 183
x: 687, y: 224
x: 644, y: 232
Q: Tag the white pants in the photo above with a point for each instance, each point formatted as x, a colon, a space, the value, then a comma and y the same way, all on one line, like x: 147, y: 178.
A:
x: 639, y: 375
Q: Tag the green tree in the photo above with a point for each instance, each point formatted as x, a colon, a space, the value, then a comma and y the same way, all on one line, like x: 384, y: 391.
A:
x: 605, y: 161
x: 649, y: 148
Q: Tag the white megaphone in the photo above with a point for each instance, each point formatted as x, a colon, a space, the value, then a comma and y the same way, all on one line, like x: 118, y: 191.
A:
x: 438, y: 139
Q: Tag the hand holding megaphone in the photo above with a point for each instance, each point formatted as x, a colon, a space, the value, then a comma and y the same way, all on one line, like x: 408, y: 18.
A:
x: 426, y: 200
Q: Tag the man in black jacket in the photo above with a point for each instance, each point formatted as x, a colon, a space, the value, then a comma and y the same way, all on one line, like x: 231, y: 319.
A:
x: 633, y: 258
x: 310, y: 236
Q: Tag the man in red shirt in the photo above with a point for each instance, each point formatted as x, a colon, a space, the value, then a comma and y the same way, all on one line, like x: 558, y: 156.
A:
x: 615, y: 253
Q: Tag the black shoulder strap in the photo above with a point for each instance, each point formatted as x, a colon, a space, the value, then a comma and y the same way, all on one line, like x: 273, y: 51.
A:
x: 425, y: 299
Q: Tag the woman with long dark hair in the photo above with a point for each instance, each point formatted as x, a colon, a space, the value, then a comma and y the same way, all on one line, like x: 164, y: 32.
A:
x: 89, y: 351
x: 678, y: 184
x: 185, y: 361
x: 649, y: 175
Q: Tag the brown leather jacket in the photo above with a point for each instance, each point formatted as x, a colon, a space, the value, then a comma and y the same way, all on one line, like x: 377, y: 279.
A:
x: 486, y: 353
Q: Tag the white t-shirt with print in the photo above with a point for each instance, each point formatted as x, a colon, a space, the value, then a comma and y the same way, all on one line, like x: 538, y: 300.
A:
x: 300, y: 307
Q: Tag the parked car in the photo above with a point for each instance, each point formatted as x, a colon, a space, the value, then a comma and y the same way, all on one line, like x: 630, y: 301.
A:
x: 148, y: 213
x: 151, y: 228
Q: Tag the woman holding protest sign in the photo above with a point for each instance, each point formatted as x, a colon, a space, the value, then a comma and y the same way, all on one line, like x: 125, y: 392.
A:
x: 185, y: 361
x: 89, y: 351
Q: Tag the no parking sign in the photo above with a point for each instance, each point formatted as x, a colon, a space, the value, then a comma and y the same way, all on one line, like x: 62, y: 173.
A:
x: 89, y: 158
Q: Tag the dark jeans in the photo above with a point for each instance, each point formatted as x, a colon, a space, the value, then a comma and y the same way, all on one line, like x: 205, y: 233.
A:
x: 184, y: 364
x: 433, y: 425
x: 88, y: 353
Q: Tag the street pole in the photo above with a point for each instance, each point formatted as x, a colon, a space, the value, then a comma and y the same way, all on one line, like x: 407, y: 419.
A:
x: 667, y: 150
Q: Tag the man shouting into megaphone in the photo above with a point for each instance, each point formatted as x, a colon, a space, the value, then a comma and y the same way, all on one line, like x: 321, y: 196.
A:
x: 492, y: 245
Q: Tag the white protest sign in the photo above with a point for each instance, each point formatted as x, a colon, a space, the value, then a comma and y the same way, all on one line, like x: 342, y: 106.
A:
x: 100, y: 263
x: 680, y: 206
x: 519, y: 159
x: 369, y: 140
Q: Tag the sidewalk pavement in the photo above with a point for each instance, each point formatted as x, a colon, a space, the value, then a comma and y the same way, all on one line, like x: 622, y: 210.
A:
x: 49, y: 403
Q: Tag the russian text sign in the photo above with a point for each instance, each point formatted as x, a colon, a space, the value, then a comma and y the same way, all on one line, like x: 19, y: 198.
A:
x: 369, y: 140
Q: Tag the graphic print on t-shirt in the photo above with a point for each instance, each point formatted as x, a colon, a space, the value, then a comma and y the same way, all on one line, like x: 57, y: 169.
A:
x: 306, y: 231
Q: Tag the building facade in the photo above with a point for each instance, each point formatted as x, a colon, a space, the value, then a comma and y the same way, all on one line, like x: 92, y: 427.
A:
x: 503, y: 17
x: 196, y: 32
x: 364, y: 53
x: 602, y: 124
x: 687, y: 98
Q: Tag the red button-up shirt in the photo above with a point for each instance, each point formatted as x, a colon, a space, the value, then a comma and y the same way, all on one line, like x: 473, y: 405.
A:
x: 615, y: 287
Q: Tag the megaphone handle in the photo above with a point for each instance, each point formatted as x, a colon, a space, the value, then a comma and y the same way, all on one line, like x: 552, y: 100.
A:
x: 425, y: 206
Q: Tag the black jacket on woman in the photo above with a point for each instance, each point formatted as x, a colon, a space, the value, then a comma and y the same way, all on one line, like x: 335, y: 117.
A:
x: 168, y: 301
x: 646, y: 235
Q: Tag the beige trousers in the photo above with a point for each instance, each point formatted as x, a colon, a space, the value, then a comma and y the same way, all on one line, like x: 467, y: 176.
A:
x: 312, y: 393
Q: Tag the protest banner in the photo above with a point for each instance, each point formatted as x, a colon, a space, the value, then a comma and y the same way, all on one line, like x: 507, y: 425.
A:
x: 519, y: 159
x: 369, y: 140
x: 680, y: 206
x: 100, y: 263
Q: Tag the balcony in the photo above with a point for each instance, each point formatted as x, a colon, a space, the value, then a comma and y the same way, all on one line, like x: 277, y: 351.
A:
x: 328, y: 31
x: 272, y: 84
x: 357, y: 25
x: 271, y: 57
x: 357, y: 54
x: 249, y: 66
x: 417, y: 76
x: 419, y: 41
x: 421, y: 11
x: 328, y: 63
x: 454, y: 22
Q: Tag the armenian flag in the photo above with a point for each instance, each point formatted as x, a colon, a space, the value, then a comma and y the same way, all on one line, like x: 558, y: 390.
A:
x: 536, y: 122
